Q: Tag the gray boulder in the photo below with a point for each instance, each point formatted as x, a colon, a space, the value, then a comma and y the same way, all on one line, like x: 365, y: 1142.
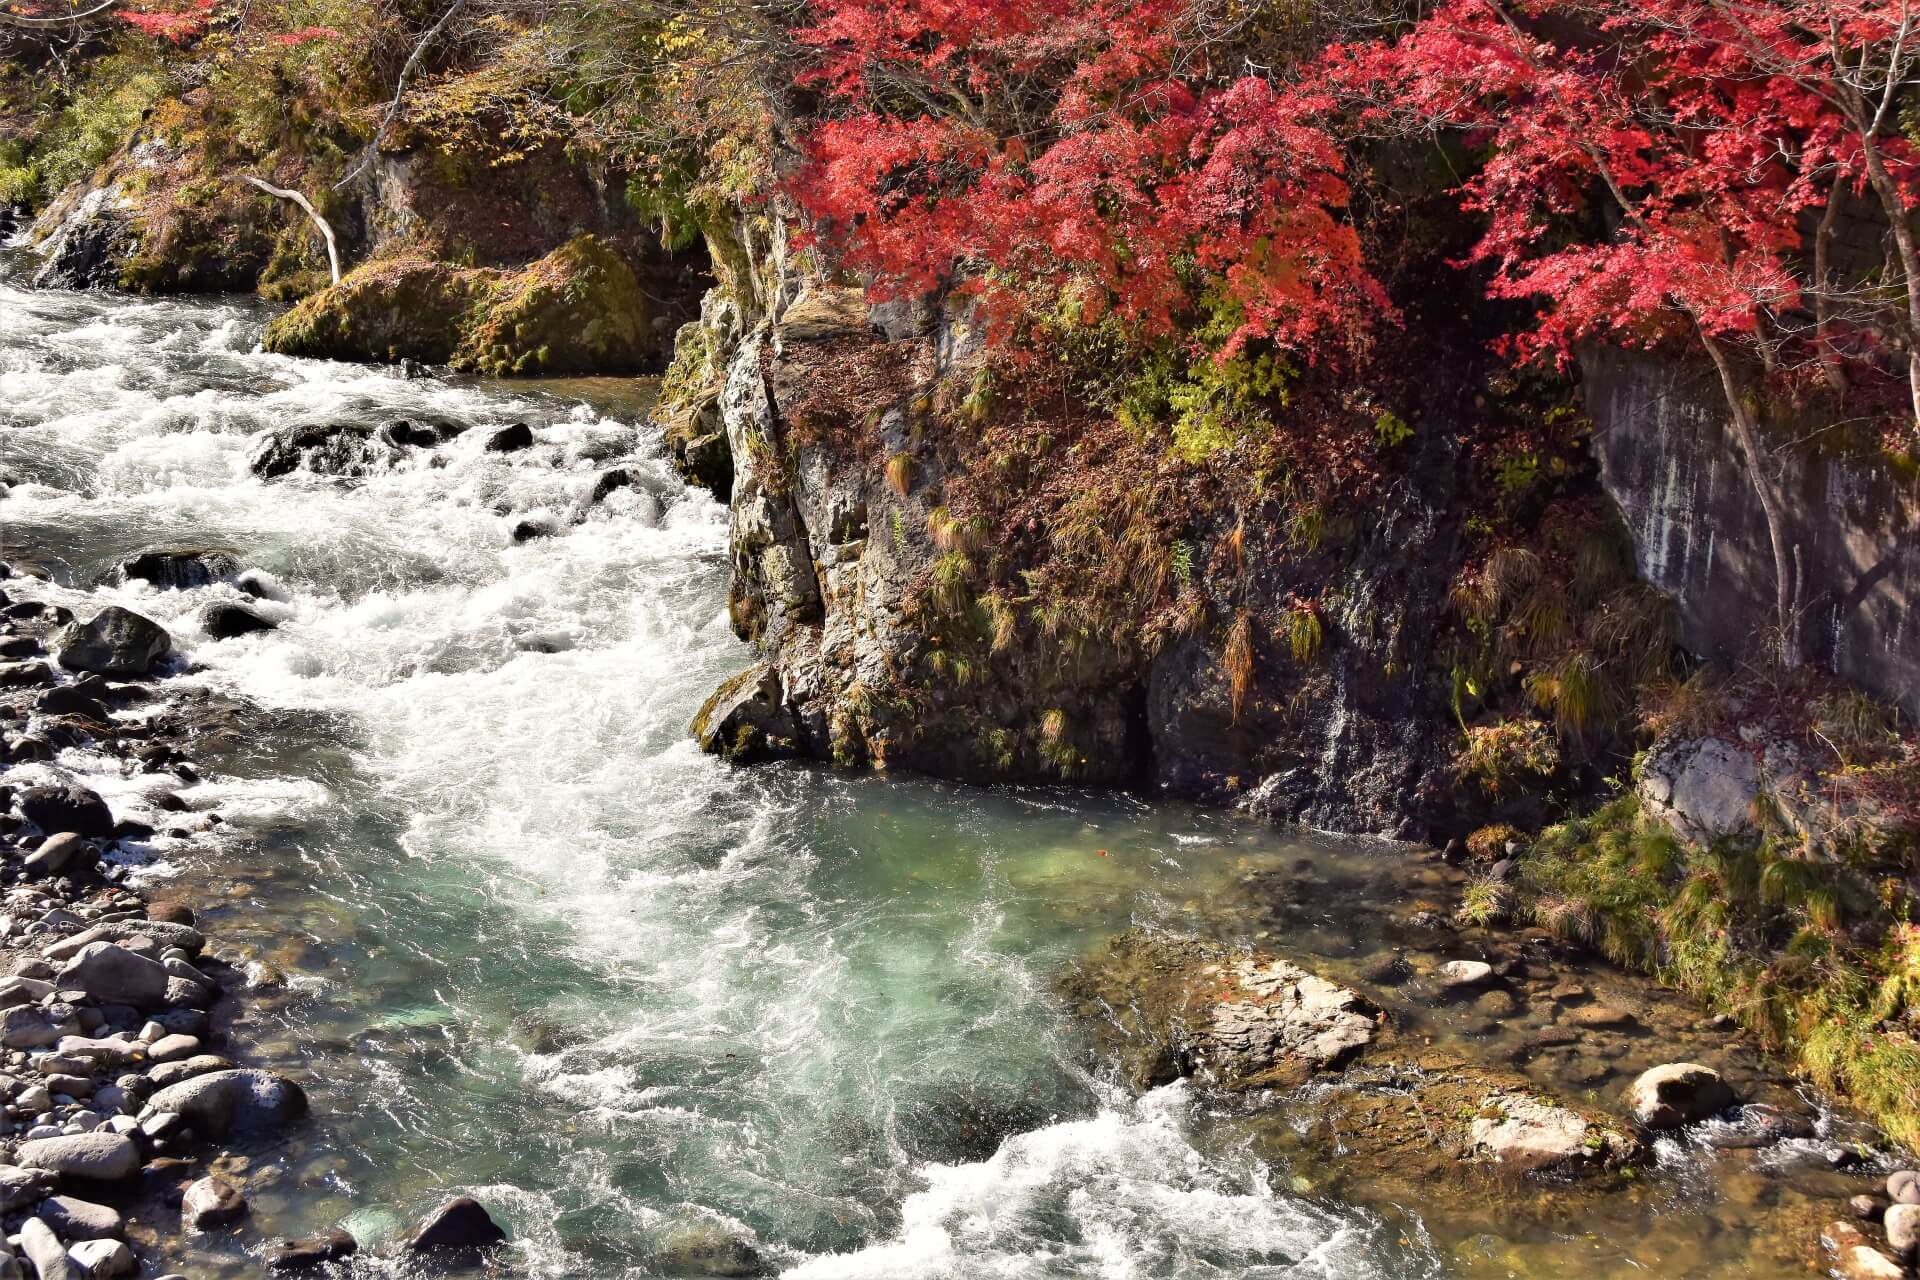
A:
x: 76, y: 1219
x: 44, y: 1251
x: 1676, y: 1094
x: 32, y: 1026
x: 116, y: 642
x: 22, y: 1187
x: 224, y: 1102
x: 95, y: 1157
x: 225, y: 621
x: 110, y: 974
x: 55, y: 852
x: 102, y: 1259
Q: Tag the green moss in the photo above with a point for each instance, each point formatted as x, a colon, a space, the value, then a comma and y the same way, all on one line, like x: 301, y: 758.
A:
x: 577, y: 310
x: 1798, y: 948
x: 389, y: 310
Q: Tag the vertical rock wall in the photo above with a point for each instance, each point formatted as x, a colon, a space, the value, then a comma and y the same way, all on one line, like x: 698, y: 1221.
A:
x: 1668, y: 460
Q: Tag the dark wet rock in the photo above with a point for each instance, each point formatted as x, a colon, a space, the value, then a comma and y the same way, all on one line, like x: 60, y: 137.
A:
x: 182, y: 568
x: 22, y: 675
x: 347, y: 450
x: 211, y: 1202
x: 609, y: 483
x: 1676, y: 1094
x: 459, y: 1225
x: 261, y: 585
x: 1753, y: 1126
x: 225, y: 621
x: 116, y: 642
x: 76, y: 1219
x: 528, y: 530
x: 19, y: 647
x: 1867, y: 1208
x: 68, y: 700
x: 223, y: 1102
x: 511, y: 439
x: 406, y: 435
x: 1387, y: 971
x: 70, y: 808
x: 312, y: 1252
x: 91, y: 1157
x: 1188, y: 1007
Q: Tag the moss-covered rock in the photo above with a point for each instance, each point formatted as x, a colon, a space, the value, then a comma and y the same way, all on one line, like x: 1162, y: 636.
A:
x: 390, y: 310
x: 577, y: 310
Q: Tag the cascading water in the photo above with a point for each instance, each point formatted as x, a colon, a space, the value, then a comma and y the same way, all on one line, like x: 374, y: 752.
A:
x: 661, y: 1016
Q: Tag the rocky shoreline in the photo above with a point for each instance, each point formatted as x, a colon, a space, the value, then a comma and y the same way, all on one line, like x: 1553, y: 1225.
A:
x: 126, y: 1091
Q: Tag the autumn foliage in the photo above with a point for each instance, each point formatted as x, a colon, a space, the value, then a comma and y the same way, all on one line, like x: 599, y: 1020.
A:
x: 983, y: 145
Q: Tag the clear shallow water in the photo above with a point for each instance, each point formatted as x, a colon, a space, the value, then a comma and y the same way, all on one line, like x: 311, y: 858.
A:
x: 523, y: 941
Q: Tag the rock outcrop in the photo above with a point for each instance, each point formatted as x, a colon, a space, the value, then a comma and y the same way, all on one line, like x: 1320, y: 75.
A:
x: 580, y: 309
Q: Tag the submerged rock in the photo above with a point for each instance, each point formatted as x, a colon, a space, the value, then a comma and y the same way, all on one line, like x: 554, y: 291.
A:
x: 310, y: 1252
x: 116, y: 642
x: 1182, y: 1006
x: 211, y: 1202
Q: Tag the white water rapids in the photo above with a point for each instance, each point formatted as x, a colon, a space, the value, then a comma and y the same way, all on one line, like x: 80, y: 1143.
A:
x: 660, y: 1016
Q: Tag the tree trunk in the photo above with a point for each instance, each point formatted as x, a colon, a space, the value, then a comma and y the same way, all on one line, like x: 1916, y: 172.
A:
x: 1747, y: 432
x: 1902, y: 223
x: 1830, y: 362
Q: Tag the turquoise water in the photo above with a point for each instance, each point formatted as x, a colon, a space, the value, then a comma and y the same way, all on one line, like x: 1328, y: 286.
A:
x: 523, y: 941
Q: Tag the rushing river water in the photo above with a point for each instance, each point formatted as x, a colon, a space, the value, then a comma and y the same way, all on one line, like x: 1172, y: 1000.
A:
x: 525, y: 942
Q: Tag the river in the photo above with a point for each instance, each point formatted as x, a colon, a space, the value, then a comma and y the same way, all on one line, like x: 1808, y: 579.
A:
x: 526, y: 942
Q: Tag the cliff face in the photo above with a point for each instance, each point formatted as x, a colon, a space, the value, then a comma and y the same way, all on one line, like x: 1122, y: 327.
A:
x: 838, y: 541
x: 1668, y: 460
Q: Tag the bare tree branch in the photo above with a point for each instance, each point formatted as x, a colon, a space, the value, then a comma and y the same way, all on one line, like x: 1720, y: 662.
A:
x: 326, y: 229
x: 426, y: 40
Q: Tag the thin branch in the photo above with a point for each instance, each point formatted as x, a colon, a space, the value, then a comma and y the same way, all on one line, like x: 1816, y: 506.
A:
x: 399, y: 93
x: 326, y: 229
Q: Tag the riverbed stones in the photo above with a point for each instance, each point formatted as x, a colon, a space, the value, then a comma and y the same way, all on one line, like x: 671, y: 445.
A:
x: 55, y: 852
x: 1236, y: 1018
x: 44, y: 1251
x: 36, y: 1026
x: 92, y: 1157
x: 310, y: 1252
x: 115, y: 642
x: 77, y: 1219
x: 1902, y: 1223
x: 223, y: 1102
x: 1855, y: 1259
x: 102, y: 1259
x: 159, y: 932
x: 1676, y: 1094
x: 69, y: 809
x: 211, y: 1202
x: 1532, y: 1136
x: 460, y: 1225
x: 1903, y: 1187
x: 111, y: 974
x: 20, y: 1188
